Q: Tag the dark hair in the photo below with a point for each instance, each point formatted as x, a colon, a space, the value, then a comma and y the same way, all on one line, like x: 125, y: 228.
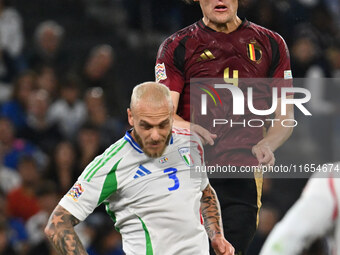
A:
x: 27, y: 158
x: 89, y: 126
x: 17, y: 82
x: 70, y: 81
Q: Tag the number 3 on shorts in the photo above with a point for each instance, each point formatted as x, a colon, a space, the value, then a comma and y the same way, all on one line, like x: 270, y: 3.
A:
x: 172, y: 175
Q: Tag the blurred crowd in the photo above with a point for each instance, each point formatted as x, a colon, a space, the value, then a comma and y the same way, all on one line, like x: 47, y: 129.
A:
x: 67, y: 69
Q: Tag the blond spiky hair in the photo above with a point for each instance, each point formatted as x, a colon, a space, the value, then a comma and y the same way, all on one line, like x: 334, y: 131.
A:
x: 151, y: 93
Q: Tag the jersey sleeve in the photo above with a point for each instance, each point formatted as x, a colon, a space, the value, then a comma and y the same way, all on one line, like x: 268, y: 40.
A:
x: 205, y: 181
x: 94, y: 185
x: 280, y: 64
x: 197, y: 144
x: 166, y: 71
x: 309, y: 218
x: 280, y: 68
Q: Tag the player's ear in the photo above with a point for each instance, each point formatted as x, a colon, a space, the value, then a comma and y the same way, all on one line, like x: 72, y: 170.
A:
x: 130, y: 117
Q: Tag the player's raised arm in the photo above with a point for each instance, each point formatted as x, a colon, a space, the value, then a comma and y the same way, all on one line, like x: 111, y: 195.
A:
x: 205, y: 136
x: 171, y: 75
x: 275, y: 137
x: 60, y: 232
x: 211, y: 212
x: 178, y: 121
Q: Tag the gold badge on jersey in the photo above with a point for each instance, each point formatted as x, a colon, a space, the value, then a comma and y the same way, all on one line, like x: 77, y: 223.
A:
x: 254, y: 51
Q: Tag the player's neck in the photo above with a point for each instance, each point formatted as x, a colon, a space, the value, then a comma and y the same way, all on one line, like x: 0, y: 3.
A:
x: 132, y: 133
x: 133, y: 136
x: 227, y: 28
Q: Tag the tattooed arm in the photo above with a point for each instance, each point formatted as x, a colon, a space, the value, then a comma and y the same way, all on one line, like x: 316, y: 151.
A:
x: 60, y: 232
x: 211, y: 212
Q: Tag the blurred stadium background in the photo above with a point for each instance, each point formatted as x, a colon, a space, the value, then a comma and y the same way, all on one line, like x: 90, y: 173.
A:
x: 67, y: 69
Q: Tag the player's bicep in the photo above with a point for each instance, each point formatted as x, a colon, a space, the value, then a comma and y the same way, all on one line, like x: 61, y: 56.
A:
x: 205, y: 182
x: 166, y: 72
x: 288, y: 109
x: 60, y: 216
x: 60, y: 230
x: 175, y: 99
x: 207, y: 190
x: 280, y: 67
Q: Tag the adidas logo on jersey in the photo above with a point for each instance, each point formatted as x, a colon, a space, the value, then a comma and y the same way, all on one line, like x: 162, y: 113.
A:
x: 141, y: 171
x: 205, y: 55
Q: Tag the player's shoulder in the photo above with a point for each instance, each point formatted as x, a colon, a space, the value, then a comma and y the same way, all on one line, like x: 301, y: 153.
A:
x: 180, y: 34
x: 263, y: 31
x: 185, y: 135
x: 177, y: 131
x: 117, y: 149
x: 102, y: 164
x: 175, y: 39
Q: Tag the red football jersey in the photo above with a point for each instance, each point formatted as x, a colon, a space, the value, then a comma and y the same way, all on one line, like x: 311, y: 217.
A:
x: 251, y: 51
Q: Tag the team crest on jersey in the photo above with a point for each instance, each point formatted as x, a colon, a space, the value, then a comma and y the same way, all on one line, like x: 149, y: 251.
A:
x: 160, y: 72
x: 254, y: 52
x: 186, y: 156
x: 76, y: 191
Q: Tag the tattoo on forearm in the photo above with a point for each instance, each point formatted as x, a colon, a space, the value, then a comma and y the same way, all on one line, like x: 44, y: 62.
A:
x: 62, y: 234
x: 211, y: 212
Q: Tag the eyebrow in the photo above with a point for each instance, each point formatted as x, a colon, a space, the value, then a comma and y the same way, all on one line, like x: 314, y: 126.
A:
x: 143, y: 122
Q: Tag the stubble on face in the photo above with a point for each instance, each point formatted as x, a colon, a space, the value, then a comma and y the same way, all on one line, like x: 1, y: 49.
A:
x: 147, y: 152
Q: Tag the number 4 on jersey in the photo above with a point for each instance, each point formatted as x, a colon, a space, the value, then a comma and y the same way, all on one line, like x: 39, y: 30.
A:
x: 229, y: 80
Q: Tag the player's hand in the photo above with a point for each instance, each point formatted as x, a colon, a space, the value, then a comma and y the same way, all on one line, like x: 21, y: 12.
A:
x: 221, y: 246
x: 264, y: 154
x: 205, y: 136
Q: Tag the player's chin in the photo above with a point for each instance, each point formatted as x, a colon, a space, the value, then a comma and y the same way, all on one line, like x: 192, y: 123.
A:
x: 154, y: 152
x: 221, y: 18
